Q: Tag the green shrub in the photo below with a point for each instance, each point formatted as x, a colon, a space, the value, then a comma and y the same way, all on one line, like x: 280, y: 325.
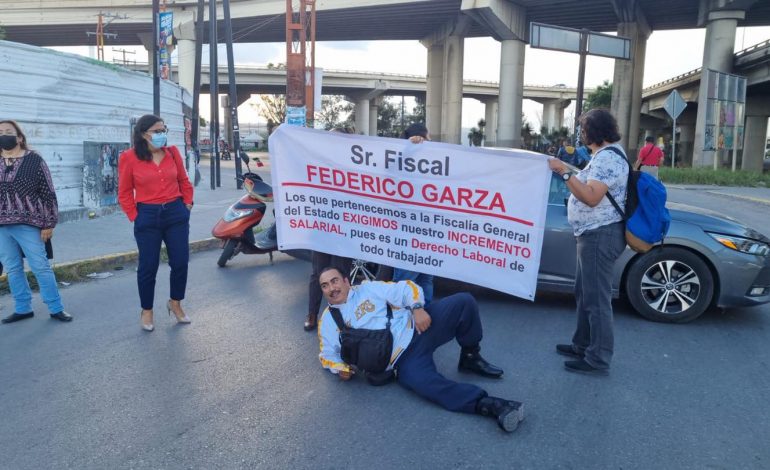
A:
x: 713, y: 177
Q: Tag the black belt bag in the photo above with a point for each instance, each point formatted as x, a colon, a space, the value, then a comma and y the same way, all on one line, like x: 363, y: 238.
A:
x: 367, y: 350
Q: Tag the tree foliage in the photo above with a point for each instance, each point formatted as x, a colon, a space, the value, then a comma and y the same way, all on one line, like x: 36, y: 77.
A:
x: 601, y: 98
x: 528, y: 135
x: 335, y: 112
x: 476, y: 134
x: 392, y: 119
x: 272, y: 108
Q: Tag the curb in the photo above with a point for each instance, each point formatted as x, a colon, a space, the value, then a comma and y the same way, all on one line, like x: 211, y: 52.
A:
x: 77, y: 271
x: 745, y: 198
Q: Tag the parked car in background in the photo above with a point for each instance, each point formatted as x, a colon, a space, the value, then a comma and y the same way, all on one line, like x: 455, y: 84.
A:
x: 707, y: 260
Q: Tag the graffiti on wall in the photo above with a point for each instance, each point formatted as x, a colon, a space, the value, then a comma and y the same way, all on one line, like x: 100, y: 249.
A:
x: 100, y: 173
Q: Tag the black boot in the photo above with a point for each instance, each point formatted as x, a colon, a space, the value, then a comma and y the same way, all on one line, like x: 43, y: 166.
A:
x: 508, y: 413
x: 471, y: 361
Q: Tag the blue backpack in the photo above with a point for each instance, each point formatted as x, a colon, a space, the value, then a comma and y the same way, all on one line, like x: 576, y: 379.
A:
x: 647, y: 219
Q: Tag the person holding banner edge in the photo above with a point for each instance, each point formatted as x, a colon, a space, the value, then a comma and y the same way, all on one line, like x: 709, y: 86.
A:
x: 600, y: 236
x: 417, y: 133
x: 319, y: 261
x: 417, y: 331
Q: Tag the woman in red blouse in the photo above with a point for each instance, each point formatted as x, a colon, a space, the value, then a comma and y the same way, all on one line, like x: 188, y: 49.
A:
x: 156, y: 195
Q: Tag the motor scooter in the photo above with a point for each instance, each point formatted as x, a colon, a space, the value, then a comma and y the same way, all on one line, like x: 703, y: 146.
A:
x: 236, y: 227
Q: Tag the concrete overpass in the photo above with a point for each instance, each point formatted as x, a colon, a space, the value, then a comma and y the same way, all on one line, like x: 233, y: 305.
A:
x: 64, y: 23
x: 752, y: 63
x: 440, y: 25
x: 253, y: 80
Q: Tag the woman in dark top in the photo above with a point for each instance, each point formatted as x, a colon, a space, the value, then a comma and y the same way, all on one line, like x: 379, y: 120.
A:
x: 156, y: 195
x: 28, y: 213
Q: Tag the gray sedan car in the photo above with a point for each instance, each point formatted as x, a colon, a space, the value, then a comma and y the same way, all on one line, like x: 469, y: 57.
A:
x: 706, y: 260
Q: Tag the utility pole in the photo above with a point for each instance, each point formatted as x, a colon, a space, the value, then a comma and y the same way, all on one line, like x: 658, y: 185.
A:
x: 194, y: 134
x: 155, y: 58
x: 235, y: 145
x: 123, y: 61
x: 300, y: 66
x: 214, y: 95
x: 100, y: 34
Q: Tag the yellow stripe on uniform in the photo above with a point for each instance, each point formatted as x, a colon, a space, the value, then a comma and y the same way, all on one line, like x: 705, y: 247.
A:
x: 395, y: 355
x: 325, y: 362
x: 415, y: 291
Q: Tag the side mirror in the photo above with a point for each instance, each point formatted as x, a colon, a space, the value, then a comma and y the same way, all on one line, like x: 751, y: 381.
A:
x: 244, y: 157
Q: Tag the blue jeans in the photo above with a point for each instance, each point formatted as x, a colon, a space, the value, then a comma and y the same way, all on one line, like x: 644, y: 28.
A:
x: 597, y: 251
x: 454, y: 317
x: 168, y: 223
x: 14, y: 239
x: 423, y: 280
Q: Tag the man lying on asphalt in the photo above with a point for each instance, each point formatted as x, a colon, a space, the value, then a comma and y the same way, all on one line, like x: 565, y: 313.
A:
x: 457, y: 316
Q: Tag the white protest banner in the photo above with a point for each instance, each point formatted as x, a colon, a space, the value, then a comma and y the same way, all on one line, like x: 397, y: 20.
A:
x: 457, y: 212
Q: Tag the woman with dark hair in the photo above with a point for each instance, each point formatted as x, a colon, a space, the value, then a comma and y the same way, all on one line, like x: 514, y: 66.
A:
x: 29, y: 212
x: 600, y: 236
x: 156, y: 195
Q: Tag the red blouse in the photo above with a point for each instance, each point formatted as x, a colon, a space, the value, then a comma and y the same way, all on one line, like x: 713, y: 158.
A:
x: 144, y: 181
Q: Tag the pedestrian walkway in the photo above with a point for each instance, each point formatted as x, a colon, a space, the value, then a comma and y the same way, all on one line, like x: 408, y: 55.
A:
x: 111, y: 234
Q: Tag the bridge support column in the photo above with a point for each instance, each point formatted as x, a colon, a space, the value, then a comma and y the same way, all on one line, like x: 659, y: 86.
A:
x: 553, y: 113
x: 511, y: 93
x: 434, y: 90
x: 627, y: 85
x: 491, y: 108
x: 754, y: 141
x: 507, y: 23
x: 184, y: 32
x: 373, y: 114
x: 362, y: 116
x: 718, y: 55
x: 452, y: 105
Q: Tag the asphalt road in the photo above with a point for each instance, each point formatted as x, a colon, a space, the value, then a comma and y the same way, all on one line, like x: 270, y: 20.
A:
x: 754, y: 214
x: 241, y: 387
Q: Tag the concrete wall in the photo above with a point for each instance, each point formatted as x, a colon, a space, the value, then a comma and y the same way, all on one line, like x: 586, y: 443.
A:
x: 63, y: 100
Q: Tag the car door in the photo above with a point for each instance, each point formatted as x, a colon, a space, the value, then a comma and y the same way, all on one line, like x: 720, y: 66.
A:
x: 557, y: 261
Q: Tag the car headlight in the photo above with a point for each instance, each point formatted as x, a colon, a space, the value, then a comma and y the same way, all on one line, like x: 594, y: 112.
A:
x: 235, y: 214
x: 744, y: 245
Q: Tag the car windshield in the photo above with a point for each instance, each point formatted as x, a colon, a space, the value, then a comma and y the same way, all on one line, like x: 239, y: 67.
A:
x: 558, y: 191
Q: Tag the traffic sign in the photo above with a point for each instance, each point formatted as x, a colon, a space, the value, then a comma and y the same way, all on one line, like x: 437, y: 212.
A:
x: 674, y: 104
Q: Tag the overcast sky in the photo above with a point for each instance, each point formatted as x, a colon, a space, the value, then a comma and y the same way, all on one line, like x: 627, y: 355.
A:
x: 669, y: 53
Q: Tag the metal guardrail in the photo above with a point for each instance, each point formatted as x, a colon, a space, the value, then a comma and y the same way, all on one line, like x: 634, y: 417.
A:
x: 689, y: 74
x: 753, y: 48
x: 143, y: 65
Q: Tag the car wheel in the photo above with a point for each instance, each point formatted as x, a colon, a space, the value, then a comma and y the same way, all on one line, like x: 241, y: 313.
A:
x: 228, y: 251
x: 670, y: 285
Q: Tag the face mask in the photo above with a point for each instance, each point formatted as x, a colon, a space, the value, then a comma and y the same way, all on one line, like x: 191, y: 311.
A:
x: 8, y: 142
x: 159, y: 140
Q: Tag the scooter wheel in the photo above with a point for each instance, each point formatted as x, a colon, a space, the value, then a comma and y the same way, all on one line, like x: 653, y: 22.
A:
x: 228, y: 251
